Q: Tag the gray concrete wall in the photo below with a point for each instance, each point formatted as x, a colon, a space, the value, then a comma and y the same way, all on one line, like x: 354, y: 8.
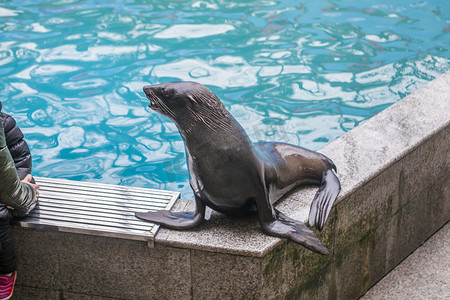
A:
x: 377, y: 226
x: 394, y: 171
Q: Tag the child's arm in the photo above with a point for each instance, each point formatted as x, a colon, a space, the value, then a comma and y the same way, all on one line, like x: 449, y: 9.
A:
x: 14, y: 193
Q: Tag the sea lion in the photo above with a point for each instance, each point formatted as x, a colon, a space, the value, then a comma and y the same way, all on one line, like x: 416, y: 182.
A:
x: 231, y: 175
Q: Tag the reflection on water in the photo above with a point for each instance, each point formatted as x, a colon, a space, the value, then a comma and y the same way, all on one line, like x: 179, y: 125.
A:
x: 71, y: 72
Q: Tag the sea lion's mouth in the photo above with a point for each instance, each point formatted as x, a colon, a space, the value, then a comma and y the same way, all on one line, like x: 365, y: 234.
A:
x: 152, y: 102
x: 156, y: 103
x: 151, y: 96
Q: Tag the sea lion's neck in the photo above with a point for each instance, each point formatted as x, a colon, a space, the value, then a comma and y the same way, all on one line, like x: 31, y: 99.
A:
x: 210, y: 132
x: 205, y: 119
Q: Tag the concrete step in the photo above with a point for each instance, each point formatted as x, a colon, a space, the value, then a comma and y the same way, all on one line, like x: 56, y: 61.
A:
x: 425, y: 274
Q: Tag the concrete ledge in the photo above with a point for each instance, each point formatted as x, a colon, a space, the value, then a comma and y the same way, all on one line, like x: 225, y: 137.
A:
x: 395, y: 194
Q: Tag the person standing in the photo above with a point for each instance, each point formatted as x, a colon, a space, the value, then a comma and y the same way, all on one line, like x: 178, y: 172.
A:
x: 18, y: 195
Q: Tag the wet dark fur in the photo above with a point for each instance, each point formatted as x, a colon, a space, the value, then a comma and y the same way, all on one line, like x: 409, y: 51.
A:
x: 230, y: 174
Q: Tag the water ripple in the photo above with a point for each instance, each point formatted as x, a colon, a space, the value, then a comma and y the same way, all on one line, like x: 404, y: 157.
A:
x: 72, y: 72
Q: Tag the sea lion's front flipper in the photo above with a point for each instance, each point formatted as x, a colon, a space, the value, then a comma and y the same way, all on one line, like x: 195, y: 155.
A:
x: 324, y: 199
x: 175, y: 220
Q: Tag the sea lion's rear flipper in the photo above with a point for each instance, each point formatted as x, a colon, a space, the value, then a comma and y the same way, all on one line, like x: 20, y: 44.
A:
x: 324, y: 199
x: 175, y: 220
x: 296, y: 231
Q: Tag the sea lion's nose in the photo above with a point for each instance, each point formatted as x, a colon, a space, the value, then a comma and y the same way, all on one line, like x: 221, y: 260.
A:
x: 147, y: 88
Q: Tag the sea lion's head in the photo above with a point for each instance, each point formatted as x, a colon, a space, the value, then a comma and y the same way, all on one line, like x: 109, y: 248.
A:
x: 186, y: 103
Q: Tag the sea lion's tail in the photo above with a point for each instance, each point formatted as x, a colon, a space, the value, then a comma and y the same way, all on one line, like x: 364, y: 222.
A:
x: 323, y: 201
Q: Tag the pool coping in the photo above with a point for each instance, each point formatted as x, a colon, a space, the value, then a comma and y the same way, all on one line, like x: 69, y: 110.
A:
x: 406, y: 124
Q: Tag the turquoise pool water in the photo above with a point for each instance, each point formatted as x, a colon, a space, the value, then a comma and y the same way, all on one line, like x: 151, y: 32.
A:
x: 303, y: 72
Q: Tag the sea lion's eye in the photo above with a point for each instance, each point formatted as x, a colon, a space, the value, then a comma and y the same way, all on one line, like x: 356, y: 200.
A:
x: 167, y: 93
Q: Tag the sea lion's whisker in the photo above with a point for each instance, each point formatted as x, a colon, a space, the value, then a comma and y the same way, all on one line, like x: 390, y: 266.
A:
x: 214, y: 118
x: 155, y: 100
x: 205, y: 119
x: 152, y: 97
x: 165, y: 108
